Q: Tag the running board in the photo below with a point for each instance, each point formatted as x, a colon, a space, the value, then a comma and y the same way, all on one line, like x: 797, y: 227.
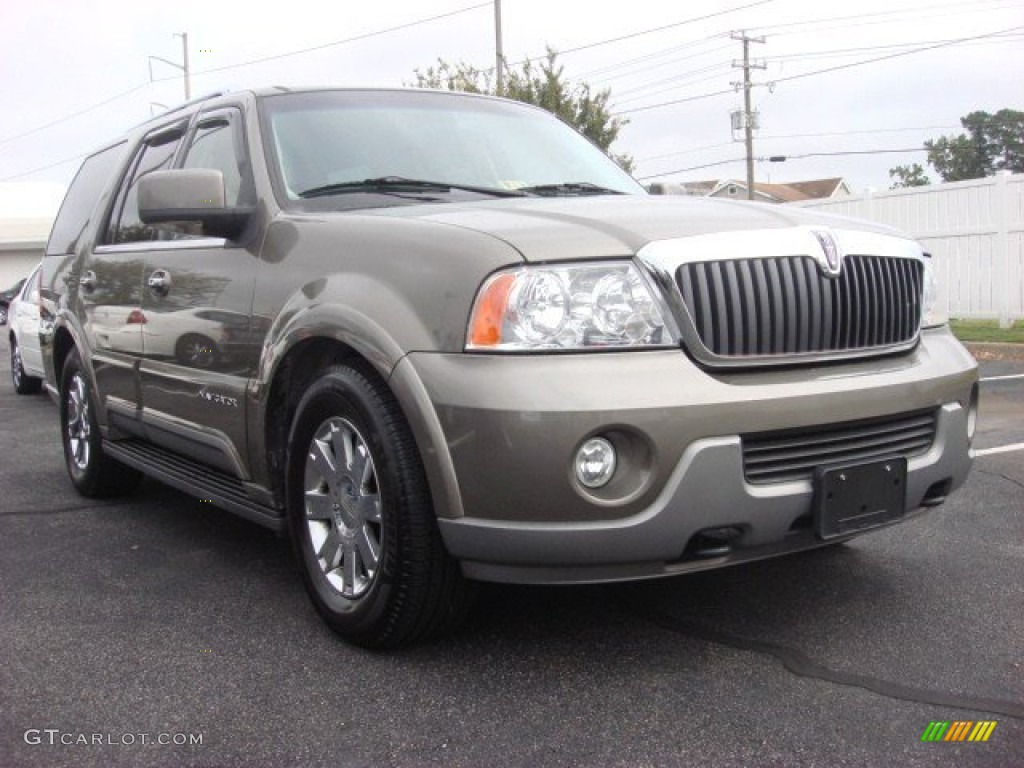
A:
x: 193, y: 478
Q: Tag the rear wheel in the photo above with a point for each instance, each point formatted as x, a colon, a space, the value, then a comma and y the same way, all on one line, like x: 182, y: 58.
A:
x: 93, y: 473
x: 361, y: 516
x: 23, y: 383
x: 197, y: 351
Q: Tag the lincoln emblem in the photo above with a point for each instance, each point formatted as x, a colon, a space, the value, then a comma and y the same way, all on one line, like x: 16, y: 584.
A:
x: 830, y: 249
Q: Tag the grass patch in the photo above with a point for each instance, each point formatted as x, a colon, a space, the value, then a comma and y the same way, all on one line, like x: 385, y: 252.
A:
x: 988, y: 330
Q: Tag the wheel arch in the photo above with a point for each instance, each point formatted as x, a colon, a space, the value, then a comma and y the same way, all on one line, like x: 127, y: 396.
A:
x: 63, y: 343
x: 302, y: 363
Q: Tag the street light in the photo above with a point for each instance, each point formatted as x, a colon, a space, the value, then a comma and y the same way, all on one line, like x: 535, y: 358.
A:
x: 183, y: 67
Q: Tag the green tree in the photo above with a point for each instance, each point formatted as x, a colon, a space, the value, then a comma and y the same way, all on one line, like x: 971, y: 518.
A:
x: 543, y: 84
x: 908, y: 176
x: 992, y: 143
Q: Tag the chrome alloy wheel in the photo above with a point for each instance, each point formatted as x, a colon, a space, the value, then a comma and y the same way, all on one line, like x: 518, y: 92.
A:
x: 77, y: 399
x: 17, y: 371
x: 343, y: 507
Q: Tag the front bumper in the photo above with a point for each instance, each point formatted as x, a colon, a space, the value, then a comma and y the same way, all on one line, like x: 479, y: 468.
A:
x: 510, y: 509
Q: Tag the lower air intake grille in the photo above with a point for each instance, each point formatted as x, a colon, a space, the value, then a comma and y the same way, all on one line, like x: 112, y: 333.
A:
x: 773, y: 457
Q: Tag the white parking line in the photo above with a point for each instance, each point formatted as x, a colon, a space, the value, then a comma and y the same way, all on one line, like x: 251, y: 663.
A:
x: 1000, y: 449
x: 1004, y: 378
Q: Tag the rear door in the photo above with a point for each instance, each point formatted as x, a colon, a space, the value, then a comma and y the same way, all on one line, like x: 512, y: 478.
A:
x: 198, y: 351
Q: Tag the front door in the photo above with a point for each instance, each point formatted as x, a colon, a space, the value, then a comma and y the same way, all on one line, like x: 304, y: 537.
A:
x: 199, y: 350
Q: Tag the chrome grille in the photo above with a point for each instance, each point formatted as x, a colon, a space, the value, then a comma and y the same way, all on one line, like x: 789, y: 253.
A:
x: 784, y: 306
x: 773, y: 457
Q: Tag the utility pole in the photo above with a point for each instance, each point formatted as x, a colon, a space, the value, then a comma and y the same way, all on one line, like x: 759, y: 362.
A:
x: 749, y: 117
x: 183, y: 67
x: 499, y: 55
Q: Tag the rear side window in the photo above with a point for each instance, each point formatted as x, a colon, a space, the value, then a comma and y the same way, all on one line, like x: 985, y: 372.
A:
x: 80, y: 203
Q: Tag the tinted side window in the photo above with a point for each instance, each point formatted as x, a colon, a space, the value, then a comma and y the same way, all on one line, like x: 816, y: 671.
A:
x: 217, y: 144
x: 156, y: 154
x: 79, y: 204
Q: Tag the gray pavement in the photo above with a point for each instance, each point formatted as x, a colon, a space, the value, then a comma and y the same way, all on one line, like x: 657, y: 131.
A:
x: 159, y: 615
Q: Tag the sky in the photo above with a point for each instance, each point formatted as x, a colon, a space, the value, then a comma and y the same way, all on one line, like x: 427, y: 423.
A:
x: 75, y: 74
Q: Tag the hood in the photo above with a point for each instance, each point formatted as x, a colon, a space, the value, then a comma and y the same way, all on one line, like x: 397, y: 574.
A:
x: 550, y: 229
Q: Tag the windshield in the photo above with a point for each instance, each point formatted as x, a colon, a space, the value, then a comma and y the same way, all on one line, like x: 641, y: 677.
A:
x: 326, y: 139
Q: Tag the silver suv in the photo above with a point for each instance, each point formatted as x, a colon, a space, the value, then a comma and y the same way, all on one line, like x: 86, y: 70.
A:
x: 441, y: 338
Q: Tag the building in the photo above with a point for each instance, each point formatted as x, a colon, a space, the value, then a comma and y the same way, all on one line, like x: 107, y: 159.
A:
x: 27, y: 212
x: 794, y: 191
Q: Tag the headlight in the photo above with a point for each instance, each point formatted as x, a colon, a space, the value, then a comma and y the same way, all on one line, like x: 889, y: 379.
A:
x: 571, y: 307
x: 931, y: 315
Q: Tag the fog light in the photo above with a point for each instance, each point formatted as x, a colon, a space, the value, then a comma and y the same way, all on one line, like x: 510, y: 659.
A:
x: 595, y: 462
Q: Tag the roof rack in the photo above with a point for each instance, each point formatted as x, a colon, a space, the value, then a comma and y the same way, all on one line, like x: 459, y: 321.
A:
x: 189, y: 103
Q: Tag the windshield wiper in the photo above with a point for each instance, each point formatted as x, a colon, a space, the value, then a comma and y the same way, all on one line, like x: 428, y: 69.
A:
x: 398, y: 184
x: 570, y: 188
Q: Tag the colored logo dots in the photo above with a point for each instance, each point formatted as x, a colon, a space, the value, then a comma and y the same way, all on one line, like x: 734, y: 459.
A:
x: 958, y: 730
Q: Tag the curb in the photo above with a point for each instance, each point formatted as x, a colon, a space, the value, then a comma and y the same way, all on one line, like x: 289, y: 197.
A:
x: 984, y: 350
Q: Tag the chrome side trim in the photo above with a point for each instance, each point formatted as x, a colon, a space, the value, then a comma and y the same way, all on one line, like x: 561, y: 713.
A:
x: 155, y: 246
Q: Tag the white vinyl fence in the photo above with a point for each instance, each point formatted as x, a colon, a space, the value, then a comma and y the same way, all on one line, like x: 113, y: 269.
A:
x: 974, y: 231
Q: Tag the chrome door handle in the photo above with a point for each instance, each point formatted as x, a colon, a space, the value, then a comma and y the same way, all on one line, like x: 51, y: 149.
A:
x: 88, y: 281
x: 159, y: 282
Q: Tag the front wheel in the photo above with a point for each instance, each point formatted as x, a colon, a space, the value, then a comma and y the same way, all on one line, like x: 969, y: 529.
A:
x: 92, y: 472
x: 23, y: 383
x: 361, y: 517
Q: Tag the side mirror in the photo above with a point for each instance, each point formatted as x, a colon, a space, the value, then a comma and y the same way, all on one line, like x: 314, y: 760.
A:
x: 190, y: 195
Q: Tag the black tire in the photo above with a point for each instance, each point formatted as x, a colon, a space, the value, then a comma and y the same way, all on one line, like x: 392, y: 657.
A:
x: 92, y: 472
x: 363, y: 527
x: 197, y: 351
x: 23, y: 383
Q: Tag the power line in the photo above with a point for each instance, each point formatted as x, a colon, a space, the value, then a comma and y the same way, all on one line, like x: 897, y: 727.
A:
x: 699, y: 97
x: 664, y: 52
x: 841, y: 52
x: 691, y: 168
x: 662, y: 28
x: 823, y: 71
x: 656, y: 55
x: 803, y: 136
x: 80, y: 112
x: 347, y: 40
x: 687, y: 78
x: 785, y: 157
x: 897, y: 55
x: 657, y: 65
x: 690, y: 77
x: 44, y: 168
x: 849, y: 152
x: 687, y: 151
x: 122, y: 94
x: 881, y: 17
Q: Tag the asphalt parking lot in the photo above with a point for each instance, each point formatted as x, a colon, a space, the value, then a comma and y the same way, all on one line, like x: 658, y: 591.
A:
x: 157, y: 618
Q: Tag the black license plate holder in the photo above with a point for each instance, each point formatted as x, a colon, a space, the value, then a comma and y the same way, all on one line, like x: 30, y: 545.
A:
x: 850, y: 498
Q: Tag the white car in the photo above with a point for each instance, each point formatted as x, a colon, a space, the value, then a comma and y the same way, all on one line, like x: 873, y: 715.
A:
x: 23, y: 330
x: 197, y: 337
